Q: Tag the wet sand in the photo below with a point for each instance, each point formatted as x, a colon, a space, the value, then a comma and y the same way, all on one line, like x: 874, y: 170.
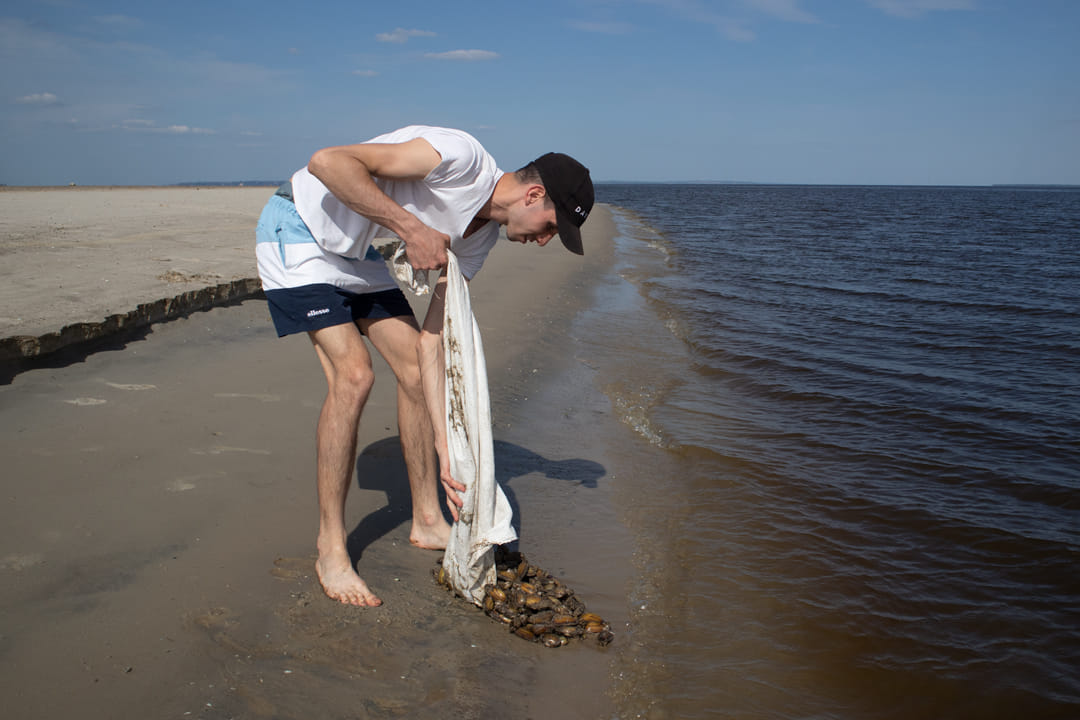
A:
x: 157, y: 531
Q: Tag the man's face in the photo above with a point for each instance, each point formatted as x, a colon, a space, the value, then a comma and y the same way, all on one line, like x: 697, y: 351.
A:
x: 532, y: 219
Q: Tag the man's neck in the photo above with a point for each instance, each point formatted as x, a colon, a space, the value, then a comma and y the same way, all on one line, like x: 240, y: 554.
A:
x: 496, y: 208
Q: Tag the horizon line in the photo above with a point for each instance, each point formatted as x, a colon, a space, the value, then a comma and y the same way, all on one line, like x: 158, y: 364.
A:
x: 274, y: 183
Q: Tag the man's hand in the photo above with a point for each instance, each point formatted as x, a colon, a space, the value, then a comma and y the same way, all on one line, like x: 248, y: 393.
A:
x: 348, y: 172
x: 452, y: 488
x: 426, y: 248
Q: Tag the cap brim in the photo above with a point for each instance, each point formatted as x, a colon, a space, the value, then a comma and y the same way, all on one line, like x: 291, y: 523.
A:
x: 569, y: 233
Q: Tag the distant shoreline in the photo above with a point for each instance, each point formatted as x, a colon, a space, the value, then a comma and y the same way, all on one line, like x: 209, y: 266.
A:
x: 186, y: 186
x: 741, y: 183
x: 734, y: 183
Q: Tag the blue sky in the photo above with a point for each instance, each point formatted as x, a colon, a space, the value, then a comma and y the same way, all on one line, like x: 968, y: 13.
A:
x: 793, y: 91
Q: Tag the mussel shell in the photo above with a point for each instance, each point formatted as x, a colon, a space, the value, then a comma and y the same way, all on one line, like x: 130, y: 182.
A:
x: 553, y: 641
x: 543, y: 616
x: 605, y: 637
x: 537, y: 602
x: 525, y: 634
x: 515, y: 598
x: 569, y: 630
x: 502, y: 613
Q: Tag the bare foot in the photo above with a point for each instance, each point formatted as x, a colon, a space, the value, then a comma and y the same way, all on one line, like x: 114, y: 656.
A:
x: 340, y: 582
x: 433, y: 536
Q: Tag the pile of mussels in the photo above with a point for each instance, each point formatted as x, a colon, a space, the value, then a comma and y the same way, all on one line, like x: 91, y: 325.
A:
x: 535, y: 605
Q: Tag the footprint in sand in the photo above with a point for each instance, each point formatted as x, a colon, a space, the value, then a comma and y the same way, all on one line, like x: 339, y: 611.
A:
x: 21, y: 561
x: 264, y: 397
x: 130, y: 386
x: 219, y: 624
x: 293, y: 568
x: 188, y: 482
x: 86, y: 401
x: 224, y: 449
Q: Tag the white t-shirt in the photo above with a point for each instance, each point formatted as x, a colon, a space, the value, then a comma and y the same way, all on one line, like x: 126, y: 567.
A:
x: 446, y: 200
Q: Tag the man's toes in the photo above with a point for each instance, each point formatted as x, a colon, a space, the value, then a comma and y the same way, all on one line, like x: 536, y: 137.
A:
x: 366, y: 598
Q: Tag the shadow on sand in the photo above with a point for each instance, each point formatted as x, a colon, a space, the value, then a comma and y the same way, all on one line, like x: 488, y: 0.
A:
x: 380, y: 467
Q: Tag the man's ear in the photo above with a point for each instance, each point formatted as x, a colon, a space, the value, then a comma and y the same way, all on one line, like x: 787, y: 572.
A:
x: 535, y: 193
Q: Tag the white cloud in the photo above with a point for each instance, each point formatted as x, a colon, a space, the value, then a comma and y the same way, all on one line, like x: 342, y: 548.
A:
x: 185, y: 130
x: 464, y: 55
x: 917, y: 8
x: 364, y: 73
x: 401, y: 35
x: 139, y: 125
x: 38, y: 99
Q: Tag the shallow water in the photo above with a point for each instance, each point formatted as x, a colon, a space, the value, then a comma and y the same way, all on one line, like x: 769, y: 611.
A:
x: 854, y: 486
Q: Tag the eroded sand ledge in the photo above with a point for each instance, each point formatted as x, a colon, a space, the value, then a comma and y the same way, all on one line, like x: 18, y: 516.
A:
x: 80, y: 264
x: 23, y: 347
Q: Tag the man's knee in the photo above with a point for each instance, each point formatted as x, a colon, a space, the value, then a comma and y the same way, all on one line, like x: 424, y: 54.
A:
x: 354, y: 380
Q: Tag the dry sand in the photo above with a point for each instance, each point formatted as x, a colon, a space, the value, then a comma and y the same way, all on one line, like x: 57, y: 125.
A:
x: 157, y: 529
x: 80, y: 263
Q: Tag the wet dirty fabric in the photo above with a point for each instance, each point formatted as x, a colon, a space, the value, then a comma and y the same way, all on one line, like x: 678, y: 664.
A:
x: 485, y: 519
x: 415, y: 280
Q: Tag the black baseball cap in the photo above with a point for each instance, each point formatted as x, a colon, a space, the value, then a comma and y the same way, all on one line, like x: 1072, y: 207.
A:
x: 569, y: 186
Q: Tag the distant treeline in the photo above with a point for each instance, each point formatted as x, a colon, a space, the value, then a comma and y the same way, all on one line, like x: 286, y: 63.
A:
x: 1038, y: 187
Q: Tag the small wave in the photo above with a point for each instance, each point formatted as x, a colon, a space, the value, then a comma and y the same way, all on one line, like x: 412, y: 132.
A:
x: 633, y: 408
x: 632, y: 225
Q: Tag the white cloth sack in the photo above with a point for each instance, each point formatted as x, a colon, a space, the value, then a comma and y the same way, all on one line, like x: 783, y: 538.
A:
x: 415, y: 280
x: 485, y: 518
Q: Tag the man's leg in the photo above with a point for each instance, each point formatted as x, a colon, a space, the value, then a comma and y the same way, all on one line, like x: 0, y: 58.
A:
x: 395, y: 338
x: 349, y: 379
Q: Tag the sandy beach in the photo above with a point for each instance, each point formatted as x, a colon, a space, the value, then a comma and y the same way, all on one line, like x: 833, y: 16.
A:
x: 157, y: 531
x: 85, y: 263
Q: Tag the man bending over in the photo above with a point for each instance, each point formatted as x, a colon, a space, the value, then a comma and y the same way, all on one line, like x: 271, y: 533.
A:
x: 434, y: 188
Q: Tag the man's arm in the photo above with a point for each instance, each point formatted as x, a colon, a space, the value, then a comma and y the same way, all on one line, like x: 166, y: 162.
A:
x: 433, y: 377
x: 347, y: 171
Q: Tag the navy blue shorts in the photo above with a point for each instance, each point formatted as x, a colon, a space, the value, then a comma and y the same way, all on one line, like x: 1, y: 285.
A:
x: 314, y: 307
